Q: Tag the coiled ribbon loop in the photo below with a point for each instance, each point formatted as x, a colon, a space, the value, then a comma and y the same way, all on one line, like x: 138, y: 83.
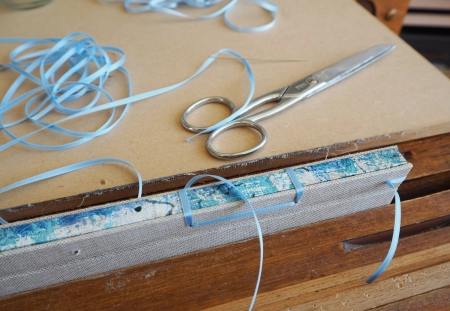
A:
x: 78, y: 54
x: 69, y: 68
x: 169, y: 6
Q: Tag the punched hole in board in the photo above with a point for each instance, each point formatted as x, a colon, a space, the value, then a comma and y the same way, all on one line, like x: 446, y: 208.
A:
x: 138, y: 208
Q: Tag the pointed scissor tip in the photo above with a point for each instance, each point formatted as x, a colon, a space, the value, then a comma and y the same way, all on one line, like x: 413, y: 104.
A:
x: 391, y: 46
x: 386, y: 47
x: 381, y: 49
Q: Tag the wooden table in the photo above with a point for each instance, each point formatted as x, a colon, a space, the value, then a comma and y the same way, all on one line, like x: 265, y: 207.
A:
x: 322, y: 266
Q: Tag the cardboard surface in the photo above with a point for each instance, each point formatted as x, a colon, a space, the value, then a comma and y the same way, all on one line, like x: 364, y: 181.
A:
x: 401, y: 92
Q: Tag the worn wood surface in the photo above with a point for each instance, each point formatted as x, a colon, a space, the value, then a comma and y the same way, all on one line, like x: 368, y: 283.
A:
x: 436, y: 300
x: 305, y: 268
x: 431, y: 160
x: 345, y: 291
x: 298, y: 271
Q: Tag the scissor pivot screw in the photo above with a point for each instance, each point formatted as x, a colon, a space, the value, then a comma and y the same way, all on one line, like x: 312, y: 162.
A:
x: 311, y: 81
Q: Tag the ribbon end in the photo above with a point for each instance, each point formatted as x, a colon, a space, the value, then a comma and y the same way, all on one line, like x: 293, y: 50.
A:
x: 192, y: 137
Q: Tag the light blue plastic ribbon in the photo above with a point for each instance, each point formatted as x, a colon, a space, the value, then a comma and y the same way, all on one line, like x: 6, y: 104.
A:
x: 169, y: 6
x: 395, y: 234
x: 297, y: 184
x: 78, y: 52
x: 67, y: 169
x: 189, y: 218
x: 190, y: 222
x: 71, y: 168
x: 54, y: 91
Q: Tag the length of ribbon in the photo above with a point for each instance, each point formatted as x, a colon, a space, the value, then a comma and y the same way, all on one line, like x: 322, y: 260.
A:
x: 187, y: 211
x: 79, y: 52
x: 67, y: 169
x: 189, y: 219
x: 395, y: 234
x: 169, y: 6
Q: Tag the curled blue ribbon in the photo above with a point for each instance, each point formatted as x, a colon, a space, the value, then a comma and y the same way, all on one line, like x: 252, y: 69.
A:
x: 189, y: 218
x: 169, y: 6
x: 79, y: 53
x: 190, y: 222
x: 68, y: 169
x: 395, y: 234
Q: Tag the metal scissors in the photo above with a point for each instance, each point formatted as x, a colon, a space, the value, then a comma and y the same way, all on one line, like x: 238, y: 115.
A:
x: 286, y: 97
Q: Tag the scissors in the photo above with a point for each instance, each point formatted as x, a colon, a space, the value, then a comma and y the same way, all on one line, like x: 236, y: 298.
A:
x: 286, y: 97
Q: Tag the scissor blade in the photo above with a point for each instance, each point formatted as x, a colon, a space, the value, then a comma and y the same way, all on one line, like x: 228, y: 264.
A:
x: 352, y: 64
x: 341, y: 70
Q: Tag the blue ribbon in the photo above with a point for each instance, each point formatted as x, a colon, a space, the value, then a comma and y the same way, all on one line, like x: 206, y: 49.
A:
x: 187, y: 211
x: 190, y: 221
x: 71, y: 168
x: 67, y: 169
x: 189, y: 218
x: 297, y: 184
x: 79, y: 52
x: 169, y: 6
x: 395, y: 234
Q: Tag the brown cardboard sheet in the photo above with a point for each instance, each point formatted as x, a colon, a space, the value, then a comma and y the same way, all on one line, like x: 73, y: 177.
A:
x: 396, y: 96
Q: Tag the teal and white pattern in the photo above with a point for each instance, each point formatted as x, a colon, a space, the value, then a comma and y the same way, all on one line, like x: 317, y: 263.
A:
x: 72, y: 224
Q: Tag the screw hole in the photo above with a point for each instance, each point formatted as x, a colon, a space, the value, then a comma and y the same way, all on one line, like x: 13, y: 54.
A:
x: 138, y: 208
x: 76, y: 252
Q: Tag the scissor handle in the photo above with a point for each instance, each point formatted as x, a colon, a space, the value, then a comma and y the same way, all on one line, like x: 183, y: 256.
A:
x: 239, y: 123
x: 201, y: 102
